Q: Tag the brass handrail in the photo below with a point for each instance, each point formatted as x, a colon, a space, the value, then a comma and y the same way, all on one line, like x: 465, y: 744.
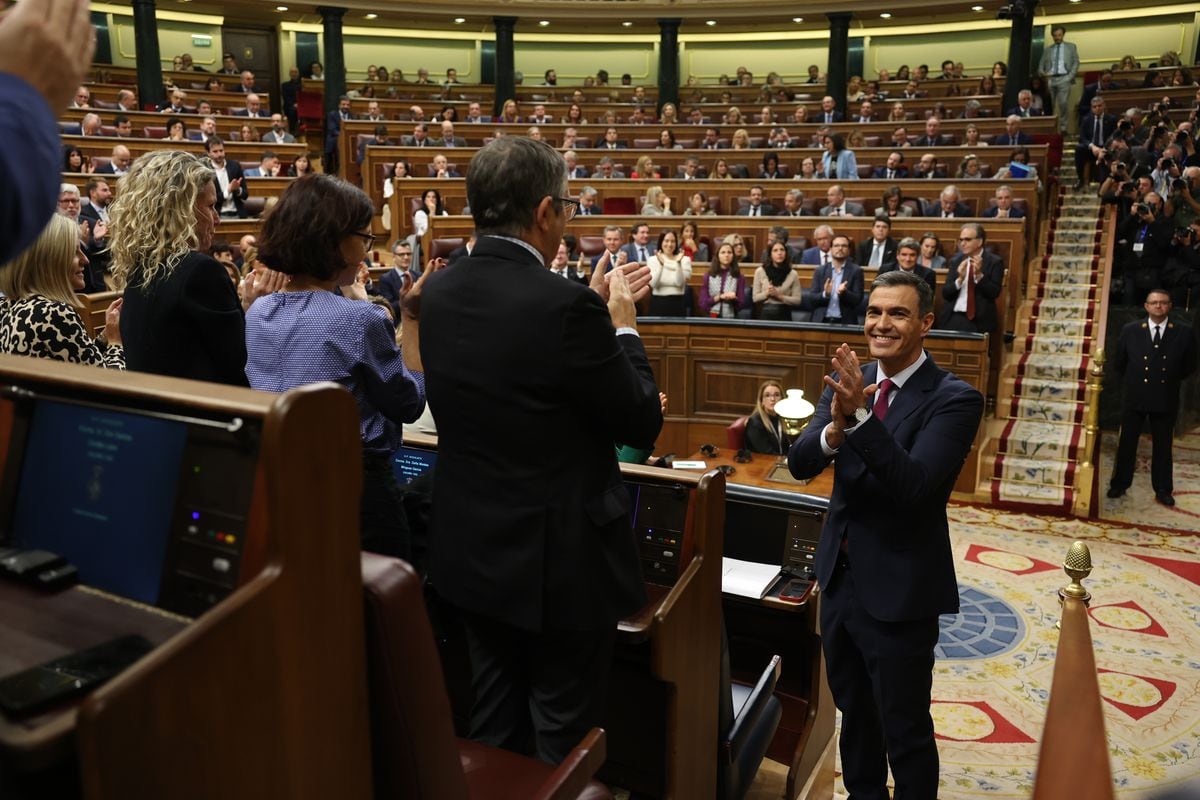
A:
x: 1073, y: 758
x: 1087, y: 474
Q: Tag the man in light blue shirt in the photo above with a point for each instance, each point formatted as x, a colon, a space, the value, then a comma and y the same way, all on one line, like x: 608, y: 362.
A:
x: 1060, y: 63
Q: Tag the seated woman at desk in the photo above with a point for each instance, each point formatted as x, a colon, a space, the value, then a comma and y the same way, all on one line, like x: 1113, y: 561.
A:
x: 764, y: 428
x: 39, y: 316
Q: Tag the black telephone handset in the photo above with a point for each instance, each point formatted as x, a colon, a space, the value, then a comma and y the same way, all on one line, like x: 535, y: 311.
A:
x: 25, y: 693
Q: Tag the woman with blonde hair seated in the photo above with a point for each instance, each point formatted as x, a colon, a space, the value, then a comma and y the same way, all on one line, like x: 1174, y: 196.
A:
x: 658, y: 203
x: 40, y: 314
x: 741, y: 139
x: 644, y: 169
x: 733, y: 116
x: 720, y: 170
x: 764, y: 428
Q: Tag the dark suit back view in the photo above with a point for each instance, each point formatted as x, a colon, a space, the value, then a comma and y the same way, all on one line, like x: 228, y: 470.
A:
x: 531, y: 529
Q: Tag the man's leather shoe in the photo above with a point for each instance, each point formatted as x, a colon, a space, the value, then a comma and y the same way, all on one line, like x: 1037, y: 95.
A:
x: 1166, y: 499
x: 1114, y: 493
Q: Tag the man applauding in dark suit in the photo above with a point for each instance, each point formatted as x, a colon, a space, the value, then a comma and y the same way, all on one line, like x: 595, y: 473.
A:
x: 531, y: 531
x: 974, y: 279
x: 1153, y: 356
x: 900, y: 428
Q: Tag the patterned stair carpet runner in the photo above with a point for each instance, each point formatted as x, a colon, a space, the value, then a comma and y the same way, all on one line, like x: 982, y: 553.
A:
x: 1036, y: 454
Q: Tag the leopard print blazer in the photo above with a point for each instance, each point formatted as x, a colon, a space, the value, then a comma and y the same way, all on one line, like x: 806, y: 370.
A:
x: 36, y: 326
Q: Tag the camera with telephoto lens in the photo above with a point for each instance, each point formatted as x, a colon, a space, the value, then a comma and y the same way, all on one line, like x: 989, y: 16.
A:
x: 1141, y: 208
x: 1178, y: 185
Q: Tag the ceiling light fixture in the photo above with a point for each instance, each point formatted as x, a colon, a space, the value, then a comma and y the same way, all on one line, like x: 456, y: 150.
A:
x: 281, y: 8
x: 885, y: 15
x: 710, y: 22
x: 371, y: 16
x: 543, y: 22
x: 977, y: 8
x: 626, y: 24
x: 459, y: 20
x: 797, y: 20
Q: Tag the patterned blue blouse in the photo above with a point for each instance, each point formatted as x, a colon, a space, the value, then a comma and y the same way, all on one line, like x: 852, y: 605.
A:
x: 294, y: 338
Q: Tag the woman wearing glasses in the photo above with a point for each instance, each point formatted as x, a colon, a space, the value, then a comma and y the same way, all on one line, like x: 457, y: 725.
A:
x: 319, y: 233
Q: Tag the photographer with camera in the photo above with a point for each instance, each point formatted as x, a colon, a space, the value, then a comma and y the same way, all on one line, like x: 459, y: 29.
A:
x: 1145, y: 239
x: 1183, y: 200
x: 1186, y: 142
x: 1181, y: 274
x: 1166, y: 171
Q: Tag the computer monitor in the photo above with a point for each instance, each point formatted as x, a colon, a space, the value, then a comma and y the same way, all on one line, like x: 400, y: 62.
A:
x: 97, y: 487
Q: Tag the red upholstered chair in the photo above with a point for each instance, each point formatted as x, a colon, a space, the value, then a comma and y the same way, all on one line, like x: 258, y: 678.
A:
x: 626, y: 206
x: 735, y: 434
x: 591, y: 245
x: 442, y: 248
x: 415, y: 753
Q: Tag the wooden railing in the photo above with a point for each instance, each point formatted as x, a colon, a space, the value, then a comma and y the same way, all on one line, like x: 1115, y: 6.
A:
x: 1087, y: 475
x: 1073, y: 759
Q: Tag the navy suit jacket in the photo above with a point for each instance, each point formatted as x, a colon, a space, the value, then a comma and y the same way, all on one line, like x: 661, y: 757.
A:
x: 811, y: 256
x: 1004, y: 140
x: 540, y: 543
x: 1013, y: 213
x: 881, y: 172
x: 986, y: 290
x: 892, y: 480
x: 389, y: 286
x: 848, y: 301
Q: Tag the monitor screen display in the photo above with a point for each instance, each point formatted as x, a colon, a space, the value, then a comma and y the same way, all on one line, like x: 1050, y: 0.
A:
x: 410, y: 463
x: 98, y: 487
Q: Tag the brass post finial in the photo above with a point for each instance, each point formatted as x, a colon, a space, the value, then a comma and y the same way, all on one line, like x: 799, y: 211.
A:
x: 1078, y: 565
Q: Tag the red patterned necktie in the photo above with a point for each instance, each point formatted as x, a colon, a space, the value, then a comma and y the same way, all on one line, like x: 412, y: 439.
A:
x: 880, y: 409
x: 970, y: 287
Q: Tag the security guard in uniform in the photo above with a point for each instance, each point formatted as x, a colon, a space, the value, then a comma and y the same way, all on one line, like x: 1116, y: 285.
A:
x: 1153, y: 356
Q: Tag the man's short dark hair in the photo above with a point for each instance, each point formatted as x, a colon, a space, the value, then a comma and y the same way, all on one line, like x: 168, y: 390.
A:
x: 212, y: 142
x: 220, y: 246
x: 506, y: 181
x: 899, y: 277
x: 268, y: 154
x: 781, y: 233
x: 885, y: 219
x: 381, y: 130
x: 303, y: 232
x: 120, y: 119
x: 1058, y: 28
x: 93, y: 184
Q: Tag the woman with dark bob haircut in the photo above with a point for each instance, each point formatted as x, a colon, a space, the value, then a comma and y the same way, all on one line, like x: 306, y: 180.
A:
x: 319, y: 233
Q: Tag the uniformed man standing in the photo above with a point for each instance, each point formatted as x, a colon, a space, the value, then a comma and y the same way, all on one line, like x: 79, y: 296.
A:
x: 1153, y: 356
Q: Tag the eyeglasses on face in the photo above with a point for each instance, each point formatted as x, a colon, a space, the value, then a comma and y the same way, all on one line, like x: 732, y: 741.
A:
x: 368, y: 239
x: 967, y: 238
x: 570, y: 206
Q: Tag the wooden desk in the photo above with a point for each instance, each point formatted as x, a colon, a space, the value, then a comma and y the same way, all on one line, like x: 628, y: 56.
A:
x: 761, y: 472
x: 36, y: 628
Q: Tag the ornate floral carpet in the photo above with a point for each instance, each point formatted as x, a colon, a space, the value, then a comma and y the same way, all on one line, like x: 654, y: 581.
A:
x: 1138, y: 503
x: 995, y: 660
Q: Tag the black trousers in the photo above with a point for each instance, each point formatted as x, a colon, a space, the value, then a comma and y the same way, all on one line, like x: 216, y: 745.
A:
x: 881, y: 676
x: 536, y: 693
x: 1162, y: 427
x: 381, y: 509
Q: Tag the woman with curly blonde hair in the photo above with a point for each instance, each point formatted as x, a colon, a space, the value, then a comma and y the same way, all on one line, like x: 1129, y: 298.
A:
x: 181, y: 315
x: 40, y: 316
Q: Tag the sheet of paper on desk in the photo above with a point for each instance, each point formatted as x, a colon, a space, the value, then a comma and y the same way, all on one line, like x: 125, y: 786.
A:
x: 747, y: 578
x: 689, y: 465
